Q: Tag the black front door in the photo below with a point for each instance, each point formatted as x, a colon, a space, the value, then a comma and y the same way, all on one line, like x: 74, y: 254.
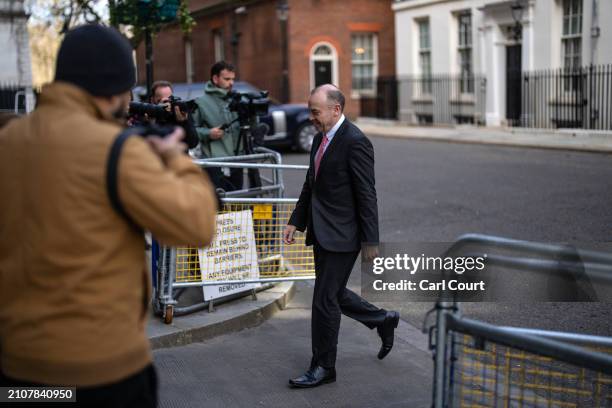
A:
x: 513, y: 84
x: 323, y: 72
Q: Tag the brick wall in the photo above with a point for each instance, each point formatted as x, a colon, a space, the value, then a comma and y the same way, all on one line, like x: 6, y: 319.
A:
x: 312, y: 21
x: 259, y: 50
x: 168, y: 56
x: 259, y: 53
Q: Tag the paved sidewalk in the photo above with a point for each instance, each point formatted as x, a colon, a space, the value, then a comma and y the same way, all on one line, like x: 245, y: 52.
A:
x: 251, y: 367
x: 565, y: 139
x: 228, y: 317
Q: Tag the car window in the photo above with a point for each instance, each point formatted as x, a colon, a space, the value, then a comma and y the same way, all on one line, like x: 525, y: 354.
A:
x: 242, y: 86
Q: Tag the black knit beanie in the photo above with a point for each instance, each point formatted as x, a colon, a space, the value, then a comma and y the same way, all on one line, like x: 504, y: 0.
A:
x: 97, y: 59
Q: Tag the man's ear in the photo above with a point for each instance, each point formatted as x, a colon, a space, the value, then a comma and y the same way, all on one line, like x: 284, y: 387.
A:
x: 114, y: 100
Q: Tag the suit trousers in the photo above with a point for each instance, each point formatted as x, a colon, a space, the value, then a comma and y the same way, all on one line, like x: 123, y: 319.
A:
x: 331, y: 298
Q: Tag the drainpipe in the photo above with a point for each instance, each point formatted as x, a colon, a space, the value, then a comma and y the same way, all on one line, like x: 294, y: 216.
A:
x: 595, y: 30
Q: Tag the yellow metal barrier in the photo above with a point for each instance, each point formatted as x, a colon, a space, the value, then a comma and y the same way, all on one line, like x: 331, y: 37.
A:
x: 238, y: 226
x: 492, y: 375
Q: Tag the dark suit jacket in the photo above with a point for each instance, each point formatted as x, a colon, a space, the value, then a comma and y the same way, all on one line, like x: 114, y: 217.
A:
x: 340, y: 206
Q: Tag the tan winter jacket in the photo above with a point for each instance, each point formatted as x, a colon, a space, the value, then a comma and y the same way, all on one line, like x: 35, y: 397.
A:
x: 74, y: 288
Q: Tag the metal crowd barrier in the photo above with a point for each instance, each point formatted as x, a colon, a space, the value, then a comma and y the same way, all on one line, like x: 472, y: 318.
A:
x: 477, y: 364
x: 241, y: 222
x: 264, y: 160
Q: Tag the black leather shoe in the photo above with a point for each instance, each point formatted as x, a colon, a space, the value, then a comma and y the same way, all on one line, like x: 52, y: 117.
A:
x: 314, y: 377
x: 386, y: 332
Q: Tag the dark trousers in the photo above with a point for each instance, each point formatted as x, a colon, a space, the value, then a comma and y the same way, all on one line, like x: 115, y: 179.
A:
x: 138, y: 390
x: 331, y: 299
x: 234, y: 182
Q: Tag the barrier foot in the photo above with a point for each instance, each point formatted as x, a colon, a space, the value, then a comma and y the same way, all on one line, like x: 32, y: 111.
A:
x: 169, y: 314
x: 253, y: 294
x: 211, y: 306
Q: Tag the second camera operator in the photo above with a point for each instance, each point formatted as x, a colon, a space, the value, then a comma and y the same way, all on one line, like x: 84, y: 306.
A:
x: 167, y: 110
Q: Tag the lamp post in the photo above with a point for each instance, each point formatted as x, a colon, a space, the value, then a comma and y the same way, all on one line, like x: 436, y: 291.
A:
x: 282, y: 12
x: 242, y: 10
x: 517, y: 15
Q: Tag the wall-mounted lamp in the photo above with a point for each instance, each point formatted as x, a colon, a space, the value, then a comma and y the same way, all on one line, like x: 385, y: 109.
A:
x: 517, y: 15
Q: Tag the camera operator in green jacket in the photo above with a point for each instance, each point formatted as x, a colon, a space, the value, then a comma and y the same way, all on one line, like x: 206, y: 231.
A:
x: 211, y: 115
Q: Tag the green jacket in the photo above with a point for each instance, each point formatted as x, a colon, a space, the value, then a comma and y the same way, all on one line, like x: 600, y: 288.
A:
x: 213, y: 112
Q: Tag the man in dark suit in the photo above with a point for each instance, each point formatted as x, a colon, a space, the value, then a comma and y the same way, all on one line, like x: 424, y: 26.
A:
x: 338, y: 208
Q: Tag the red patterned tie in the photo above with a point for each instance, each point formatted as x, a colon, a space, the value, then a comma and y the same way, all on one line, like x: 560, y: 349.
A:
x: 320, y: 154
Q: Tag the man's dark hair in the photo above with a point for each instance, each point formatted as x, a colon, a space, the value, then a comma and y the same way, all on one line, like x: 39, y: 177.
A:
x: 334, y: 95
x: 220, y: 66
x: 160, y: 84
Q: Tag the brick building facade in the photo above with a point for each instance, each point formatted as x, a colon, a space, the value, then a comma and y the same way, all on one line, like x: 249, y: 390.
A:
x: 348, y: 43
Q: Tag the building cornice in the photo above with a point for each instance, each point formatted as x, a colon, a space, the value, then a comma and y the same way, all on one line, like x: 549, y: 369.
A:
x: 413, y: 4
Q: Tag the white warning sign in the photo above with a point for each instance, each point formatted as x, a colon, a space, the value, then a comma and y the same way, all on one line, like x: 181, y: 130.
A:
x: 231, y: 256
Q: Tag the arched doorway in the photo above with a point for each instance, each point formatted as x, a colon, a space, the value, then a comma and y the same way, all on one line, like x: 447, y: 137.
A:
x: 323, y: 65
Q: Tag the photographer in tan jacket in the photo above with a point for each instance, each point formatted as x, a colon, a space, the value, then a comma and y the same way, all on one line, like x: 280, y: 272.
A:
x: 74, y: 290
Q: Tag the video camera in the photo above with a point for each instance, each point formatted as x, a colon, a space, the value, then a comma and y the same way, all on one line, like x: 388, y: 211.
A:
x: 248, y: 104
x: 159, y: 112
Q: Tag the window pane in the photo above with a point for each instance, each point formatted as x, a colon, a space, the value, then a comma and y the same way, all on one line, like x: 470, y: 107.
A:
x: 368, y: 74
x: 356, y: 82
x: 465, y: 30
x: 357, y: 53
x: 426, y: 65
x: 369, y: 48
x: 363, y: 61
x: 574, y: 26
x: 424, y: 34
x: 363, y: 47
x: 363, y: 77
x: 323, y: 50
x: 577, y: 52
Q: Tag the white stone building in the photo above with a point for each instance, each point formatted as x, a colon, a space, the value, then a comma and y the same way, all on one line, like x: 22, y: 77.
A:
x: 15, y: 66
x: 480, y: 39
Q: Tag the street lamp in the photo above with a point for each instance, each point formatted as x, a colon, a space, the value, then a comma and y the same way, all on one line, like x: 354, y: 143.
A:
x: 235, y: 41
x: 517, y: 15
x: 282, y: 12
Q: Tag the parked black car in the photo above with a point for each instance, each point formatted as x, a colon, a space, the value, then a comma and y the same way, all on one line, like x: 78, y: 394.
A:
x: 289, y: 123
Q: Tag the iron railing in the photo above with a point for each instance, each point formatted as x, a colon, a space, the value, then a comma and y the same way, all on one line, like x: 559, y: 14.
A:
x: 548, y: 99
x: 567, y: 98
x: 384, y: 104
x: 427, y: 100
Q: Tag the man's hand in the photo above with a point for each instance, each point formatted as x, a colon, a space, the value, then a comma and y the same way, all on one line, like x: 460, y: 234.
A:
x: 216, y: 133
x: 170, y: 145
x: 288, y: 234
x: 369, y: 252
x: 179, y: 115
